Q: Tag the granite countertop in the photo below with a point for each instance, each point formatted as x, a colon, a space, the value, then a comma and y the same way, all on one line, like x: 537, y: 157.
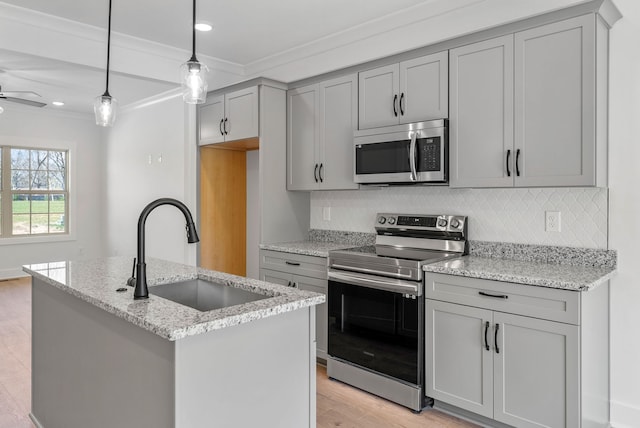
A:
x: 95, y: 281
x: 568, y: 277
x: 307, y: 248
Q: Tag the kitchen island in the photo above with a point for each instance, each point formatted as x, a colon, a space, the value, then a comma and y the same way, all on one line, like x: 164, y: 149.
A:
x: 102, y: 359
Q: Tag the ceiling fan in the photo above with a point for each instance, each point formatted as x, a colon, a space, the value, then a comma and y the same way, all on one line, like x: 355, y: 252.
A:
x: 17, y: 97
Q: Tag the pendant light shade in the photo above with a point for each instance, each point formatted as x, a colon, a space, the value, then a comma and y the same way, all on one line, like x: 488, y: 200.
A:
x: 105, y: 105
x: 193, y: 74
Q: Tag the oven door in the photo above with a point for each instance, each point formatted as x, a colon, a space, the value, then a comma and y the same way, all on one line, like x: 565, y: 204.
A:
x: 402, y: 157
x: 377, y: 323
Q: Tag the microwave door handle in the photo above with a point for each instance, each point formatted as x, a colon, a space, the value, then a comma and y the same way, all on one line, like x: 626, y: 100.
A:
x: 412, y: 157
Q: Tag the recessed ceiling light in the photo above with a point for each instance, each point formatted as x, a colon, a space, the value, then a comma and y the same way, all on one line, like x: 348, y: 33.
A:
x: 203, y: 26
x: 57, y: 103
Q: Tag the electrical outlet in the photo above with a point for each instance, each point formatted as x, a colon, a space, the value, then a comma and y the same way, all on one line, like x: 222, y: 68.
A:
x: 552, y: 221
x: 326, y: 213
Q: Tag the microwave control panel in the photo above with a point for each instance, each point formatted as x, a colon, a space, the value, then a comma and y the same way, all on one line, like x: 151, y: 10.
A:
x: 429, y: 154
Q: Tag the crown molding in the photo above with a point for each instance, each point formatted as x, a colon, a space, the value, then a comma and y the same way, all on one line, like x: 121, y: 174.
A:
x: 396, y: 22
x: 63, y: 39
x: 155, y: 99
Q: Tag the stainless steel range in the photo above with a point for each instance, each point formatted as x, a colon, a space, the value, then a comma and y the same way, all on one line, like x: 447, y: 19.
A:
x: 376, y: 304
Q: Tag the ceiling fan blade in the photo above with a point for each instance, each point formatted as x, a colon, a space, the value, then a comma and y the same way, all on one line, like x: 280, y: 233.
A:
x: 18, y: 93
x: 23, y: 101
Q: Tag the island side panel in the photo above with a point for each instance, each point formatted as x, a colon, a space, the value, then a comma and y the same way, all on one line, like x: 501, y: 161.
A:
x: 93, y: 369
x: 258, y: 374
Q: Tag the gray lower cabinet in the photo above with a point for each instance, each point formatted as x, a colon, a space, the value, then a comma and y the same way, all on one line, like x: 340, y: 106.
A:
x: 520, y: 355
x: 306, y: 273
x: 530, y: 108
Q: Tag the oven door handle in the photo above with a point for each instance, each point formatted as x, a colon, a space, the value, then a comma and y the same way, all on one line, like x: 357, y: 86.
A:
x: 368, y: 271
x: 379, y: 283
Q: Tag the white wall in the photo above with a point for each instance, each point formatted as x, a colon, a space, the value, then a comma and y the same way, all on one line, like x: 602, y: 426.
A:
x: 624, y: 218
x: 150, y: 155
x: 45, y: 127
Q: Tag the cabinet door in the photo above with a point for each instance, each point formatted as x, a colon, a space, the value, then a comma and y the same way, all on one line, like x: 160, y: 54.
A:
x: 319, y: 286
x: 378, y: 97
x: 424, y: 88
x: 276, y: 277
x: 241, y: 114
x: 338, y: 119
x: 536, y: 372
x: 302, y: 138
x: 210, y: 120
x: 481, y: 106
x: 555, y: 103
x: 459, y: 368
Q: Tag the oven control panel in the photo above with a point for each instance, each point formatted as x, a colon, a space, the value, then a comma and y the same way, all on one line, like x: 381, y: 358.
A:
x: 444, y: 223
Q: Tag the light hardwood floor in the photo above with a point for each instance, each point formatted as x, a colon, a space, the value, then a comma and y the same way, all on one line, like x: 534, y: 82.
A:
x: 338, y: 405
x: 15, y: 353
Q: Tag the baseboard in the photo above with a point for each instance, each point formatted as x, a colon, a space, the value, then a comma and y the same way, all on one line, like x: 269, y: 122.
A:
x: 624, y: 415
x: 12, y: 273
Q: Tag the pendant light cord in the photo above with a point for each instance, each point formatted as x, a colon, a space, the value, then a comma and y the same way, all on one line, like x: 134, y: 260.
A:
x: 106, y: 92
x: 193, y: 30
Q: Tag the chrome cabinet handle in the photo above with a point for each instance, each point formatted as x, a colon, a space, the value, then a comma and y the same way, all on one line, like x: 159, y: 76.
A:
x: 315, y: 173
x: 292, y: 263
x: 401, y: 109
x: 320, y: 173
x: 225, y: 126
x: 220, y: 126
x: 412, y: 157
x: 508, y: 156
x: 496, y: 338
x: 517, y: 161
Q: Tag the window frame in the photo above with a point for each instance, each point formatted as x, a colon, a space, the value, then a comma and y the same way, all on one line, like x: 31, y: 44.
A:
x: 70, y: 215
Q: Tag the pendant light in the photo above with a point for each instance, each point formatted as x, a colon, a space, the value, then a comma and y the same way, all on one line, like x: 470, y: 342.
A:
x: 105, y: 105
x: 193, y: 74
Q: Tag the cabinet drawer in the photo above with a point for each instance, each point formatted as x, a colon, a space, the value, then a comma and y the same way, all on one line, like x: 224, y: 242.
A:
x: 529, y: 300
x: 296, y: 264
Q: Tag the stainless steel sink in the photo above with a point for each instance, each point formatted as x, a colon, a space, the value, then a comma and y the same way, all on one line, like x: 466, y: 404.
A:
x: 204, y: 295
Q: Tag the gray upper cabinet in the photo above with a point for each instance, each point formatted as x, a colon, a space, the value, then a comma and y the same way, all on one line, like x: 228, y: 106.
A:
x: 523, y: 108
x: 555, y: 97
x: 321, y: 119
x: 409, y: 91
x: 302, y: 137
x: 229, y: 117
x: 211, y: 119
x: 481, y: 125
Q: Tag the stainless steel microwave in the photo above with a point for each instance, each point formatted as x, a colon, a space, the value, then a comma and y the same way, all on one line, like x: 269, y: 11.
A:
x: 414, y: 153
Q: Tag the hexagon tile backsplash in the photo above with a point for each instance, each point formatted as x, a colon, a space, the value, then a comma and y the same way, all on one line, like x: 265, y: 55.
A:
x: 499, y: 215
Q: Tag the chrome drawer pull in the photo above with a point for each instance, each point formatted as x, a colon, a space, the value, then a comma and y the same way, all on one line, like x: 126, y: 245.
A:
x: 497, y: 296
x: 292, y: 263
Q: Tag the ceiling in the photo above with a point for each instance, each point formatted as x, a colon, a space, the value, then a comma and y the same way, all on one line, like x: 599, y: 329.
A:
x: 281, y: 39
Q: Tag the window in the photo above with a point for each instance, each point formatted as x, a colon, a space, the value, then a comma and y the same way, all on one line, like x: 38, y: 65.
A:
x: 34, y: 192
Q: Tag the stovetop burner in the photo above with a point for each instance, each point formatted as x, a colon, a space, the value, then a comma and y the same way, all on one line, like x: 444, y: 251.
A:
x: 404, y: 243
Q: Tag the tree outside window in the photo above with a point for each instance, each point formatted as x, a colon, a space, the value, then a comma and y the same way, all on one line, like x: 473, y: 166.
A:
x: 34, y: 191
